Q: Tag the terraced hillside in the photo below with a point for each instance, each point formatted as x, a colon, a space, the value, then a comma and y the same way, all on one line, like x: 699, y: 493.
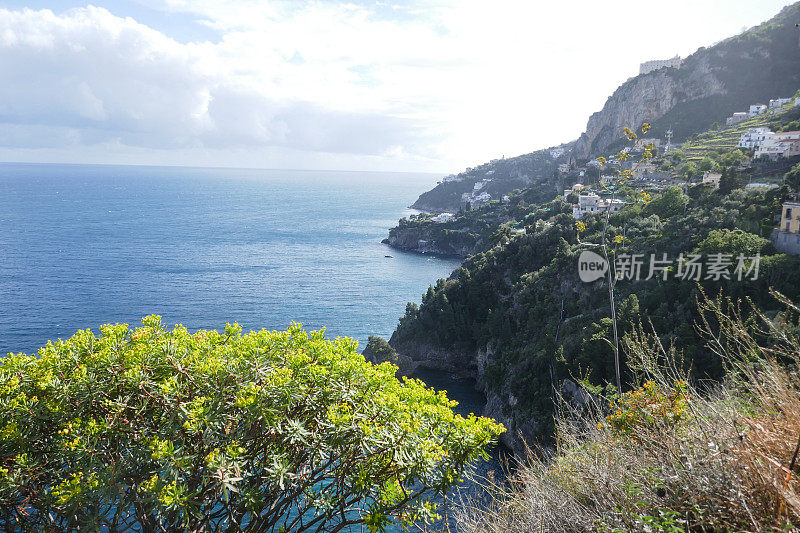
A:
x: 727, y: 138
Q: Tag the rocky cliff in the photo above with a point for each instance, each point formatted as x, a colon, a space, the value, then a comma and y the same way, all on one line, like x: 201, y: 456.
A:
x: 646, y: 98
x: 424, y: 241
x: 753, y: 67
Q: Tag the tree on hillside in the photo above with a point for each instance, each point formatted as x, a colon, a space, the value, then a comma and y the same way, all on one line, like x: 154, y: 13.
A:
x: 729, y: 181
x: 156, y: 430
x: 792, y: 178
x: 689, y: 170
x: 670, y: 202
x: 733, y: 242
x: 707, y: 164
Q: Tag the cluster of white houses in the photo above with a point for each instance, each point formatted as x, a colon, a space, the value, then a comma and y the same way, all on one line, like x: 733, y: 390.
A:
x: 767, y: 143
x: 759, y: 109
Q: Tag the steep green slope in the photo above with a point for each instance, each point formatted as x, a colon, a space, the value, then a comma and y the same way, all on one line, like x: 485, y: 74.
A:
x: 517, y: 308
x: 504, y: 175
x: 499, y: 317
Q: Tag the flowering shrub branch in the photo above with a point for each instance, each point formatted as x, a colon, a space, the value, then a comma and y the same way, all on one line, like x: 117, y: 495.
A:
x: 155, y: 430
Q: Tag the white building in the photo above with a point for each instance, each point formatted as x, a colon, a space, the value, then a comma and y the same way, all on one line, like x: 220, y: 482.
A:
x: 563, y: 168
x: 753, y: 138
x: 555, y: 153
x: 788, y: 136
x: 650, y: 66
x: 575, y: 188
x: 779, y: 102
x: 757, y: 109
x: 736, y: 118
x: 452, y: 177
x: 479, y: 185
x: 443, y: 217
x: 592, y: 203
x: 778, y: 145
x: 481, y: 199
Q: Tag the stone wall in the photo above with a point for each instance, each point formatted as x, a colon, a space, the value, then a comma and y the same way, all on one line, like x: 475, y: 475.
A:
x: 788, y: 243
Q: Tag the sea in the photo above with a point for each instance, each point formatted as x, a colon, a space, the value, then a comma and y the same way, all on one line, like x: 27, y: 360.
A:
x: 88, y: 245
x: 85, y: 245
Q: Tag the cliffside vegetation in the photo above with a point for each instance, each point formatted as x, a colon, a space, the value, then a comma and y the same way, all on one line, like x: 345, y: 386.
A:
x: 469, y: 231
x: 528, y: 170
x: 523, y: 305
x: 674, y: 454
x: 157, y: 430
x: 517, y: 314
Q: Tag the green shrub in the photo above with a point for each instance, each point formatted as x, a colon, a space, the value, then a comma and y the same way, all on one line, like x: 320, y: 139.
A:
x: 734, y: 242
x: 159, y: 430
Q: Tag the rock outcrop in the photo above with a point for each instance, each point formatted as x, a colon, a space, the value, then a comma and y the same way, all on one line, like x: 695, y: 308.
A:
x: 520, y: 430
x: 421, y: 240
x: 711, y: 84
x: 646, y: 98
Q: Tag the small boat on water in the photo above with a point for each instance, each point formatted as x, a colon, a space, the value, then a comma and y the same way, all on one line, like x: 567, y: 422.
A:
x: 389, y: 256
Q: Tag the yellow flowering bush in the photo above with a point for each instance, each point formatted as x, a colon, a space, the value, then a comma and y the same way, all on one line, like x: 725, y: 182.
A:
x: 648, y: 406
x: 149, y: 429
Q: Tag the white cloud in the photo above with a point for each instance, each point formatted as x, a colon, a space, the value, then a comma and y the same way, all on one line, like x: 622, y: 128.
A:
x: 434, y: 85
x: 87, y: 77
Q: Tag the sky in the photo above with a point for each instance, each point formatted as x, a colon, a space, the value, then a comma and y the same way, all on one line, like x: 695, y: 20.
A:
x: 431, y: 86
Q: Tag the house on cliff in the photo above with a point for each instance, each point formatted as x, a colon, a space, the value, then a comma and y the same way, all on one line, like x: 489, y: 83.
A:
x: 787, y: 237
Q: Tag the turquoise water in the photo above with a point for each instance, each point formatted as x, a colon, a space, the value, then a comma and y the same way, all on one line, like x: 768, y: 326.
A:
x: 86, y: 245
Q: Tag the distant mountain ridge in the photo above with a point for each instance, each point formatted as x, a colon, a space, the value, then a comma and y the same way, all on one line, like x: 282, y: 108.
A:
x: 753, y: 67
x: 711, y: 84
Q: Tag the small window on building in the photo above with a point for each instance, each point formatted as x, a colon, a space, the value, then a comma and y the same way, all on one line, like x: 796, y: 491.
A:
x: 788, y: 212
x: 787, y: 225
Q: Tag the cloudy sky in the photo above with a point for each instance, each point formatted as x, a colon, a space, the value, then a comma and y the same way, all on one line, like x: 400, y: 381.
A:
x: 360, y: 85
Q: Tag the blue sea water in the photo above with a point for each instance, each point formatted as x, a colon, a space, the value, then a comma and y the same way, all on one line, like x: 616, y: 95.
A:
x: 85, y: 245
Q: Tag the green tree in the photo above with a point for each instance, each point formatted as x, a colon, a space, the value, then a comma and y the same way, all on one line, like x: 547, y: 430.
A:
x: 707, y: 164
x: 729, y: 180
x: 689, y: 170
x: 734, y: 242
x: 670, y: 202
x: 379, y: 351
x: 157, y: 430
x: 792, y: 178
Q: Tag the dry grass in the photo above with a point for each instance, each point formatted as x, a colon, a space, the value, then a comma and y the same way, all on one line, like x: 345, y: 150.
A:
x: 671, y: 457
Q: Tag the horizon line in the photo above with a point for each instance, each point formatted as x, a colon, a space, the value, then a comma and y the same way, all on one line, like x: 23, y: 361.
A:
x: 214, y: 167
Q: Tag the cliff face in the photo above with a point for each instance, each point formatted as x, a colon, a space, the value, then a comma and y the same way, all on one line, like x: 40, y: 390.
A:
x: 647, y: 98
x: 422, y: 240
x: 754, y: 67
x: 519, y: 430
